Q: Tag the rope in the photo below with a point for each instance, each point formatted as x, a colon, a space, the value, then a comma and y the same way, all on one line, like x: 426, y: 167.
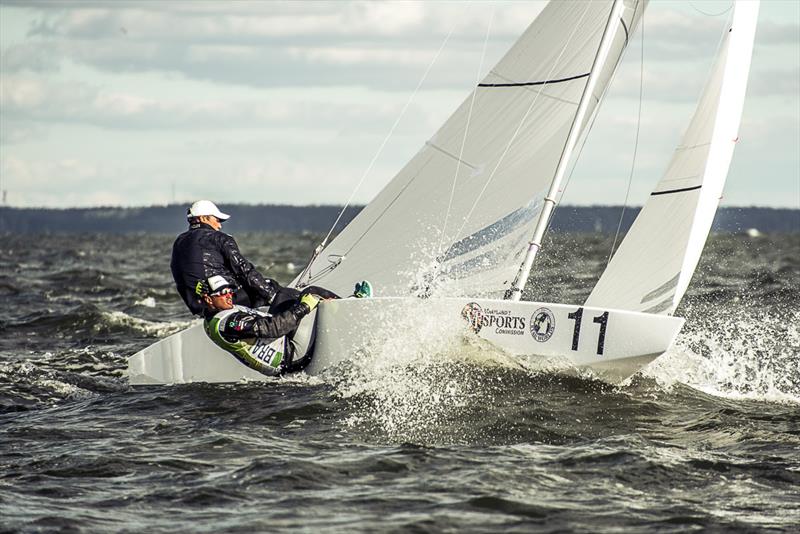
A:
x: 635, y: 147
x: 466, y: 131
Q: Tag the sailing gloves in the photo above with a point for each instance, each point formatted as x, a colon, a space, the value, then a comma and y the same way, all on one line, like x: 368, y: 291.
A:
x: 309, y: 301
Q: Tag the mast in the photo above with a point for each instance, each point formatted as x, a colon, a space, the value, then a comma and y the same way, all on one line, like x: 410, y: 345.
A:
x: 515, y: 291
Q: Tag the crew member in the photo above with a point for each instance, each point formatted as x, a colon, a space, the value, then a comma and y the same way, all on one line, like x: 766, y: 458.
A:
x: 260, y: 340
x: 204, y: 251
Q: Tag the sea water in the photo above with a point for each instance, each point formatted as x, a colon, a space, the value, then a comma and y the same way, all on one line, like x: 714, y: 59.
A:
x: 434, y: 437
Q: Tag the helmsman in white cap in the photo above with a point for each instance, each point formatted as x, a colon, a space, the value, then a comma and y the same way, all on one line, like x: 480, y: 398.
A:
x: 204, y: 251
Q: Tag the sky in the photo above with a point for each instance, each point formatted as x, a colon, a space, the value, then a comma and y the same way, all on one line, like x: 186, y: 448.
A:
x: 137, y: 103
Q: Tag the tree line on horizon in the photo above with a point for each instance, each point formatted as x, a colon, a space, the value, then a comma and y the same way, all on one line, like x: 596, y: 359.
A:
x: 282, y: 218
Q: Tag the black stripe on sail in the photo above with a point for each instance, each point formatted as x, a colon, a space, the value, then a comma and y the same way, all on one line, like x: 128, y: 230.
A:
x: 624, y: 27
x: 545, y: 82
x: 675, y: 191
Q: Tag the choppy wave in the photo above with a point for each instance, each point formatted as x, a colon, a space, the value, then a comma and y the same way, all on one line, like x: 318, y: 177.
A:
x: 436, y: 432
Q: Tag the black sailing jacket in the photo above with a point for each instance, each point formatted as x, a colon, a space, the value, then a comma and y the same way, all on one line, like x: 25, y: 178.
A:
x: 201, y: 252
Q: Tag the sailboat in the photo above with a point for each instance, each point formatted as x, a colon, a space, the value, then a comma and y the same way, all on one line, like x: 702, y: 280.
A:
x: 450, y: 242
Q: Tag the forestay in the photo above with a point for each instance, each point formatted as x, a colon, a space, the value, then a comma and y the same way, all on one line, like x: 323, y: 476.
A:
x: 460, y: 218
x: 654, y: 264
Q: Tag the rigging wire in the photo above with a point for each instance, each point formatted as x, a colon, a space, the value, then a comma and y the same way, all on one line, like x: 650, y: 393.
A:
x: 635, y: 147
x: 324, y: 242
x: 466, y: 132
x: 710, y: 14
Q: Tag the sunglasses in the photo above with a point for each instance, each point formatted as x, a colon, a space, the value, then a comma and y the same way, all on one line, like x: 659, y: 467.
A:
x: 226, y: 291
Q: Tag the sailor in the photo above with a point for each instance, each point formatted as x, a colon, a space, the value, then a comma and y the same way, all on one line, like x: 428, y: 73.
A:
x: 258, y: 339
x: 204, y: 251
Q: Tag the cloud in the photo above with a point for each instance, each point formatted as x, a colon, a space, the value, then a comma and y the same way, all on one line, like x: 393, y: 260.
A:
x: 264, y: 44
x: 81, y: 182
x: 776, y: 82
x: 33, y: 99
x: 62, y: 182
x: 378, y: 45
x: 118, y: 99
x: 771, y: 33
x: 15, y: 132
x: 245, y: 21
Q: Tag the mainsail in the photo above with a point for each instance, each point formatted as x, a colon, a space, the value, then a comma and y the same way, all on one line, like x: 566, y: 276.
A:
x: 655, y: 262
x: 459, y: 214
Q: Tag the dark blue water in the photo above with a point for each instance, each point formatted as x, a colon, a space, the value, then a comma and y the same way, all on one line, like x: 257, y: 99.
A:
x: 706, y: 438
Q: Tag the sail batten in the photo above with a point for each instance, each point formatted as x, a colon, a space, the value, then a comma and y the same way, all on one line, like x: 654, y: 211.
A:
x: 672, y: 191
x: 543, y: 82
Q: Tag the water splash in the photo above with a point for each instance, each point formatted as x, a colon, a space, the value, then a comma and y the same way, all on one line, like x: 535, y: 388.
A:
x: 414, y: 377
x: 742, y: 352
x: 429, y: 379
x: 422, y: 399
x: 147, y: 302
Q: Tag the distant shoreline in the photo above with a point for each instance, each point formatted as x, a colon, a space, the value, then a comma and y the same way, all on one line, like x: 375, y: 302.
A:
x: 283, y: 218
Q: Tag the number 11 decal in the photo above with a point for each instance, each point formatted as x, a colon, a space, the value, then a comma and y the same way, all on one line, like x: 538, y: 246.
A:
x: 602, y: 320
x: 601, y: 339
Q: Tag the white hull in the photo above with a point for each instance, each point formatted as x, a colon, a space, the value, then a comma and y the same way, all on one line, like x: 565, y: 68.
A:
x: 360, y: 330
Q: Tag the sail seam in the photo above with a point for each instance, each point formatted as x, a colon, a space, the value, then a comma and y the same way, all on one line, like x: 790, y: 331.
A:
x: 669, y: 192
x: 446, y: 153
x: 689, y: 147
x: 543, y: 82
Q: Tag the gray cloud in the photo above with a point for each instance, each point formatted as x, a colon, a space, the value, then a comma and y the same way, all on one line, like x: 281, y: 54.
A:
x: 776, y: 33
x: 16, y: 131
x: 263, y: 44
x: 35, y: 57
x: 32, y: 100
x: 776, y: 82
x: 278, y: 44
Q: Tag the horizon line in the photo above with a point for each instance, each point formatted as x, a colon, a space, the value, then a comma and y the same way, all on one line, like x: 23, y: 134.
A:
x: 339, y: 206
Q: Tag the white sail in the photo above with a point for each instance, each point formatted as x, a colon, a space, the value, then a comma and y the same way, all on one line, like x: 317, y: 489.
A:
x: 464, y: 215
x: 655, y: 262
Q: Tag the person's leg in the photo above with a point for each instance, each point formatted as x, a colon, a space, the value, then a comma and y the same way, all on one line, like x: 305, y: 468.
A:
x: 301, y: 350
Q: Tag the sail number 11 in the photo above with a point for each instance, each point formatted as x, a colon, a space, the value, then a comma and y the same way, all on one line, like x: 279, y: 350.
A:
x: 601, y: 319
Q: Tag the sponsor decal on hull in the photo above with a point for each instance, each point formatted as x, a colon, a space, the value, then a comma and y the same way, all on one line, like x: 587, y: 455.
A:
x: 503, y: 321
x: 543, y: 324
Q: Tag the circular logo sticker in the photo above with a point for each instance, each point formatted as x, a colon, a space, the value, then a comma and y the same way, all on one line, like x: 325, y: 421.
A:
x: 542, y: 324
x: 473, y: 314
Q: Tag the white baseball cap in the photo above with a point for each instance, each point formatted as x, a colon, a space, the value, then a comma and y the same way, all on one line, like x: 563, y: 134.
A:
x: 216, y: 283
x: 206, y: 207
